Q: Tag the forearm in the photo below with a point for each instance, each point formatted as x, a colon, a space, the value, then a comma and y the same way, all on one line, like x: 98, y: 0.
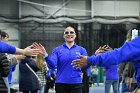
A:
x: 20, y: 51
x: 128, y: 52
x: 105, y: 59
x: 6, y: 48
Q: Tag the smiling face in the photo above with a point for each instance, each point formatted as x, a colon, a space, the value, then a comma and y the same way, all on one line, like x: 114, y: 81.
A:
x: 69, y: 34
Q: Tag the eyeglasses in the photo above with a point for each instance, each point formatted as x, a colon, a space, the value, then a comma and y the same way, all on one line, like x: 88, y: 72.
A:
x: 66, y: 33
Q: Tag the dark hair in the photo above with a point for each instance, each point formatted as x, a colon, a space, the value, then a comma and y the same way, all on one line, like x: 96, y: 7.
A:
x: 4, y: 34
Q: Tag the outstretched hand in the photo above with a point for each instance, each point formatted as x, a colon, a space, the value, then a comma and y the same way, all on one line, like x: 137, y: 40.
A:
x: 99, y: 51
x: 40, y: 47
x: 29, y: 51
x: 103, y: 49
x: 80, y: 62
x: 106, y: 48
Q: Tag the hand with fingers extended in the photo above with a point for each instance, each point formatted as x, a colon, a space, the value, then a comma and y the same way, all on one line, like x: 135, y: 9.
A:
x: 28, y: 51
x: 4, y: 65
x: 99, y: 51
x: 103, y: 49
x: 80, y: 62
x: 31, y: 51
x: 41, y: 48
x: 106, y: 48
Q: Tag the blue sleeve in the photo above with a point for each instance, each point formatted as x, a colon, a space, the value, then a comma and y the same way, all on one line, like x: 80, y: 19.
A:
x: 52, y: 60
x: 130, y: 51
x: 6, y: 48
x: 83, y: 52
x: 105, y: 59
x: 13, y: 68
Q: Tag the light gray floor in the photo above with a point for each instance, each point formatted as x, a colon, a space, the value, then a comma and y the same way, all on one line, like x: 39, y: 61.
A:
x: 97, y: 89
x: 100, y: 88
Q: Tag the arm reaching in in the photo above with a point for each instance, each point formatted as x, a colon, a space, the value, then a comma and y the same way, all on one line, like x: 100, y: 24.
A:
x: 27, y: 51
x: 83, y: 59
x: 6, y: 48
x: 130, y: 51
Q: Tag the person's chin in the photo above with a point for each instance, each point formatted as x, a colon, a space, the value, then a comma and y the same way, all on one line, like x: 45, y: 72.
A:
x: 70, y: 41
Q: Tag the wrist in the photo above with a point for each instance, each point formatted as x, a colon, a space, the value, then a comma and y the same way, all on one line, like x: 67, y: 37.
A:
x: 25, y: 52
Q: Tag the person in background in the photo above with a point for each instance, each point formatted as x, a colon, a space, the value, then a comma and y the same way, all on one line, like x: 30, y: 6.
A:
x: 68, y: 79
x: 50, y: 80
x: 127, y: 72
x: 4, y: 71
x: 129, y: 52
x: 41, y: 73
x: 111, y: 73
x: 112, y: 78
x: 129, y: 84
x: 7, y: 48
x: 94, y: 75
x: 28, y: 80
x: 12, y: 59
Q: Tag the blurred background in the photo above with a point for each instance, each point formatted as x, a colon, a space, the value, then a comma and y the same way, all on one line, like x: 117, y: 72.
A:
x: 97, y: 22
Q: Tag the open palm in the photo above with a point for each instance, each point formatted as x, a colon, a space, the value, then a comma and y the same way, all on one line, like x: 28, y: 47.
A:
x: 40, y: 47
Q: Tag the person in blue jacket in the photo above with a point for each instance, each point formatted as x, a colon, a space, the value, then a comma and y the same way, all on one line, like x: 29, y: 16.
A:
x: 111, y: 73
x: 130, y: 51
x: 7, y: 48
x: 68, y: 78
x: 112, y: 78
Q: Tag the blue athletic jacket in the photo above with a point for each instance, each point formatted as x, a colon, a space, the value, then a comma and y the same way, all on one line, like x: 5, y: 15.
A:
x: 130, y: 51
x: 111, y: 72
x: 6, y: 48
x: 62, y: 58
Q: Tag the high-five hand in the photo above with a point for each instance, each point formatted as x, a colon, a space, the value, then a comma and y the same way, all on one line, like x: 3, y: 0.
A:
x: 40, y: 47
x: 80, y: 62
